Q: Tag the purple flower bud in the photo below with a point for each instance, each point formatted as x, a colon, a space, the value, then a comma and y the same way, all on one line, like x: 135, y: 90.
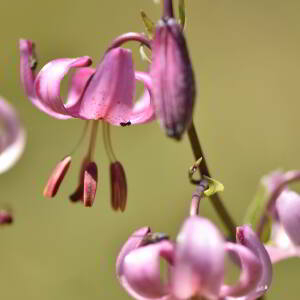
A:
x: 173, y: 78
x: 57, y: 177
x: 5, y: 217
x: 288, y: 208
x: 118, y: 186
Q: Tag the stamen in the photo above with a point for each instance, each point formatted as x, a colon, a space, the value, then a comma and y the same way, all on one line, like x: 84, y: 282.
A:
x: 107, y: 142
x: 93, y: 139
x: 82, y: 136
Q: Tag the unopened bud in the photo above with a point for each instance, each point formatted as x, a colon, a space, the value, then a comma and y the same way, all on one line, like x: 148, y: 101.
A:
x: 57, y: 177
x: 90, y: 184
x: 118, y: 186
x: 172, y: 75
x: 5, y: 217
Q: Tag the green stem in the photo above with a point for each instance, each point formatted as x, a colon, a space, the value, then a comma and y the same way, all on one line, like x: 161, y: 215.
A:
x: 203, y: 169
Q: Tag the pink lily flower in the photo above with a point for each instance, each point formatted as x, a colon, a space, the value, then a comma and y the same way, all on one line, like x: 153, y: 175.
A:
x: 284, y: 209
x: 195, y: 264
x: 12, y: 137
x: 105, y: 93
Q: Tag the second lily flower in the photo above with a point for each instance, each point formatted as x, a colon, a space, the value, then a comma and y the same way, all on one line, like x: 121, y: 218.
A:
x: 105, y: 93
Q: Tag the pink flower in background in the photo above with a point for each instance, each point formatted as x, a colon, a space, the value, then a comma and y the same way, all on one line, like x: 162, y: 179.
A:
x: 283, y: 208
x: 12, y: 136
x: 195, y: 264
x: 285, y: 238
x: 105, y: 93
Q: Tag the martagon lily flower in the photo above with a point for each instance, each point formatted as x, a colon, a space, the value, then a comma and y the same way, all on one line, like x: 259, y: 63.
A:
x: 195, y: 264
x: 102, y: 94
x: 284, y: 209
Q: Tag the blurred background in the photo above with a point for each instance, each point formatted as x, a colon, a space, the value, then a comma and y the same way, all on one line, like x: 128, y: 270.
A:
x: 246, y: 60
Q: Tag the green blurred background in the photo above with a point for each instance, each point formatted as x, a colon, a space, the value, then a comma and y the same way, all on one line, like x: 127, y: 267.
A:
x: 246, y: 60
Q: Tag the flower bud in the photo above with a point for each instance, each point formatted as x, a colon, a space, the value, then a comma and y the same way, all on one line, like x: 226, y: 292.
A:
x: 172, y: 75
x: 118, y: 186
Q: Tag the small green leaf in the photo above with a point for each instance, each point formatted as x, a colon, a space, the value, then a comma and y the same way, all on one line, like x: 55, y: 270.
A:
x: 144, y: 55
x: 182, y: 13
x: 149, y: 25
x: 266, y: 234
x: 214, y: 186
x: 257, y: 206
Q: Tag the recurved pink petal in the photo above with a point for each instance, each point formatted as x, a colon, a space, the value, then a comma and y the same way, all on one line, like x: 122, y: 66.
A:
x: 143, y: 110
x: 12, y: 138
x: 57, y: 177
x: 247, y: 237
x: 288, y: 208
x: 47, y: 83
x: 90, y: 184
x: 109, y: 95
x: 28, y: 63
x: 141, y: 267
x: 78, y: 83
x: 251, y: 270
x: 134, y: 241
x: 199, y: 260
x: 278, y: 254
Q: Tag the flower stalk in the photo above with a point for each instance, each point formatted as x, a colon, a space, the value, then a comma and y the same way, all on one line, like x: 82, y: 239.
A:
x: 203, y: 169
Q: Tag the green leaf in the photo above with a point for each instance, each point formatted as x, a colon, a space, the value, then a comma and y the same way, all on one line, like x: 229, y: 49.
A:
x: 257, y: 207
x: 181, y: 13
x: 266, y: 234
x: 144, y: 55
x: 149, y: 25
x: 214, y: 186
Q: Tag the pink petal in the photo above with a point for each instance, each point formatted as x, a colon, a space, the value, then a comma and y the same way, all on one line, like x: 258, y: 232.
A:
x: 47, y: 83
x: 27, y: 72
x: 247, y: 237
x: 13, y: 137
x: 78, y: 83
x: 251, y: 272
x: 109, y: 94
x: 199, y: 260
x: 288, y: 208
x: 134, y: 241
x: 143, y: 110
x: 142, y: 270
x: 278, y: 254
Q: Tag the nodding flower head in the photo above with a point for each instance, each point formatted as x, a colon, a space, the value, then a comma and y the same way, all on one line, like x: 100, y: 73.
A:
x: 172, y: 75
x: 102, y: 94
x: 195, y: 264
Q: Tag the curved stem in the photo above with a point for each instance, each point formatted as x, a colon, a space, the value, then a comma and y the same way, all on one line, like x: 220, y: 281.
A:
x: 130, y: 36
x: 201, y: 187
x: 203, y: 169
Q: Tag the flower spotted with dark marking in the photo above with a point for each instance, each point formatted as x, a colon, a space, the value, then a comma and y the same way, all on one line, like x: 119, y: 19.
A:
x: 102, y: 94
